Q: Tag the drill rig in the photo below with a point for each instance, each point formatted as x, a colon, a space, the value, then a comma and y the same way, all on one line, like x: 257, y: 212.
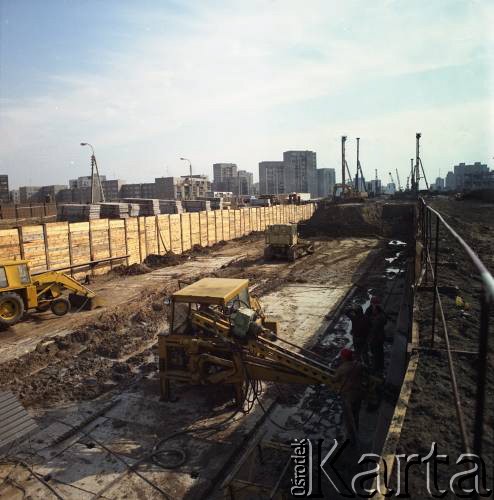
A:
x: 219, y: 335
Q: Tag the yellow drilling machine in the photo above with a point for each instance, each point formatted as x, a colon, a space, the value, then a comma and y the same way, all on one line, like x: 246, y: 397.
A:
x: 219, y: 335
x: 282, y: 241
x: 21, y: 291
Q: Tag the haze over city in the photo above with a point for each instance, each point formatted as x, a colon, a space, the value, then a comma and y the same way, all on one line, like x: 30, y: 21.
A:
x: 240, y: 82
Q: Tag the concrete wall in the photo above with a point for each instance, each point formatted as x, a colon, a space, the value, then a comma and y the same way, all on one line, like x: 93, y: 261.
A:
x: 60, y: 244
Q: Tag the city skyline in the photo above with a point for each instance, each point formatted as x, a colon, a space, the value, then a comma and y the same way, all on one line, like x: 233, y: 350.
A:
x: 147, y: 85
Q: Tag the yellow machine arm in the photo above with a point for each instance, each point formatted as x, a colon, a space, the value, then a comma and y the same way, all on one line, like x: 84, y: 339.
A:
x: 54, y: 280
x: 226, y: 359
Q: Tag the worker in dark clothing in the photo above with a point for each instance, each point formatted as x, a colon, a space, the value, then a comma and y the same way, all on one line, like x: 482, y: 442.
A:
x: 360, y: 332
x: 349, y: 375
x: 377, y: 321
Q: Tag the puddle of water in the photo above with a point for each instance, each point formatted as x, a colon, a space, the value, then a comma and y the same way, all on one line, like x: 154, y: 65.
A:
x: 341, y: 336
x: 396, y: 243
x: 390, y: 260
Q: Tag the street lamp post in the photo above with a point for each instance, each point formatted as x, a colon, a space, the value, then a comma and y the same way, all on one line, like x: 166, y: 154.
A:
x: 190, y: 176
x: 94, y: 168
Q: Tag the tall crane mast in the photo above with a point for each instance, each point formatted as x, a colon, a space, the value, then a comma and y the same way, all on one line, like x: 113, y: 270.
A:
x: 359, y: 170
x: 398, y: 179
x: 392, y: 180
x: 343, y: 165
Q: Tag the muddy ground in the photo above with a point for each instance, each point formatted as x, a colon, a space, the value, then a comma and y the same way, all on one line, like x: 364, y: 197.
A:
x: 431, y: 416
x: 105, y: 349
x: 99, y: 350
x: 113, y: 351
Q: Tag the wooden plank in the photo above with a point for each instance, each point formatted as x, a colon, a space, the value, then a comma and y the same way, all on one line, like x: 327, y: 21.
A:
x: 57, y: 244
x: 34, y: 247
x: 185, y: 229
x: 394, y: 432
x: 225, y: 217
x: 176, y: 233
x: 21, y: 243
x: 211, y: 228
x: 164, y: 231
x: 195, y: 235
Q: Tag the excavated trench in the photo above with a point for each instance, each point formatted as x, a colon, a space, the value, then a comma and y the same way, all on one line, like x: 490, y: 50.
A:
x: 361, y: 250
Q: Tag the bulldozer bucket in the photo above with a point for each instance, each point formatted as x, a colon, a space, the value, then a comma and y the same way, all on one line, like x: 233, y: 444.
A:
x: 85, y: 303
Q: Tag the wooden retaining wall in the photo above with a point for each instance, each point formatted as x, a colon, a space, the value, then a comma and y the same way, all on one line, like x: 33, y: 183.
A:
x: 61, y: 244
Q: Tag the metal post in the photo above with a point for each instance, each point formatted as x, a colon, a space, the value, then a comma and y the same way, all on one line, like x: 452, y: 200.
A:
x: 417, y: 162
x: 436, y: 255
x: 92, y: 179
x: 430, y: 232
x: 482, y: 375
x: 190, y: 182
x: 426, y: 244
x: 356, y: 177
x: 343, y: 164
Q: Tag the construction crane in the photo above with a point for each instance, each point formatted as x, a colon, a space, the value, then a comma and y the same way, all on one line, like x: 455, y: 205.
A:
x: 398, y: 179
x: 359, y: 170
x: 419, y: 167
x: 392, y: 180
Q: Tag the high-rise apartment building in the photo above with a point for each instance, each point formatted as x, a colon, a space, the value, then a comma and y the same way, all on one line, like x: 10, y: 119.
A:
x: 111, y: 188
x: 326, y: 179
x: 450, y: 184
x: 465, y: 173
x: 4, y: 188
x: 272, y: 177
x: 223, y: 173
x: 29, y: 193
x: 301, y: 175
x: 182, y: 188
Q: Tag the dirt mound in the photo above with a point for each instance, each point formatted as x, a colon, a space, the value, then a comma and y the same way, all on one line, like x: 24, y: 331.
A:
x: 360, y: 219
x: 91, y: 360
x: 200, y: 249
x: 169, y: 259
x: 132, y: 270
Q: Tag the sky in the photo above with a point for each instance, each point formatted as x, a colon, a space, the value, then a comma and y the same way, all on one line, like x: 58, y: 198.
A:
x: 237, y: 81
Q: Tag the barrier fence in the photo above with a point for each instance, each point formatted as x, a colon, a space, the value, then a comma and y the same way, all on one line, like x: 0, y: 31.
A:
x: 432, y: 224
x: 102, y: 242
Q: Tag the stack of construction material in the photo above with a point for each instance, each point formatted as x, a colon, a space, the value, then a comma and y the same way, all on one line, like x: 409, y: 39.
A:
x: 133, y: 209
x: 197, y: 205
x: 216, y: 203
x: 147, y: 206
x: 171, y: 206
x: 78, y: 213
x: 114, y: 210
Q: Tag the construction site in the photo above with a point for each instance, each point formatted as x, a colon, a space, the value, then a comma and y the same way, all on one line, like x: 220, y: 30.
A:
x: 214, y: 342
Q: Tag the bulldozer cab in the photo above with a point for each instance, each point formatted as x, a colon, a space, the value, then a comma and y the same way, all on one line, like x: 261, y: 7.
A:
x: 224, y: 295
x: 14, y: 274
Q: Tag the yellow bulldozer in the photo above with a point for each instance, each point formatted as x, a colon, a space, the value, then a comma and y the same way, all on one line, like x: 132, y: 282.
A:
x: 21, y: 291
x: 282, y: 241
x: 219, y: 335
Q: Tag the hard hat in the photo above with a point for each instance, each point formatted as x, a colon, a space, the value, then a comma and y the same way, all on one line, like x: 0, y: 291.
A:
x: 346, y: 354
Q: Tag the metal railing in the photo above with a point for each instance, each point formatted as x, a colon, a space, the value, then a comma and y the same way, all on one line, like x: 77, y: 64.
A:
x: 427, y: 218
